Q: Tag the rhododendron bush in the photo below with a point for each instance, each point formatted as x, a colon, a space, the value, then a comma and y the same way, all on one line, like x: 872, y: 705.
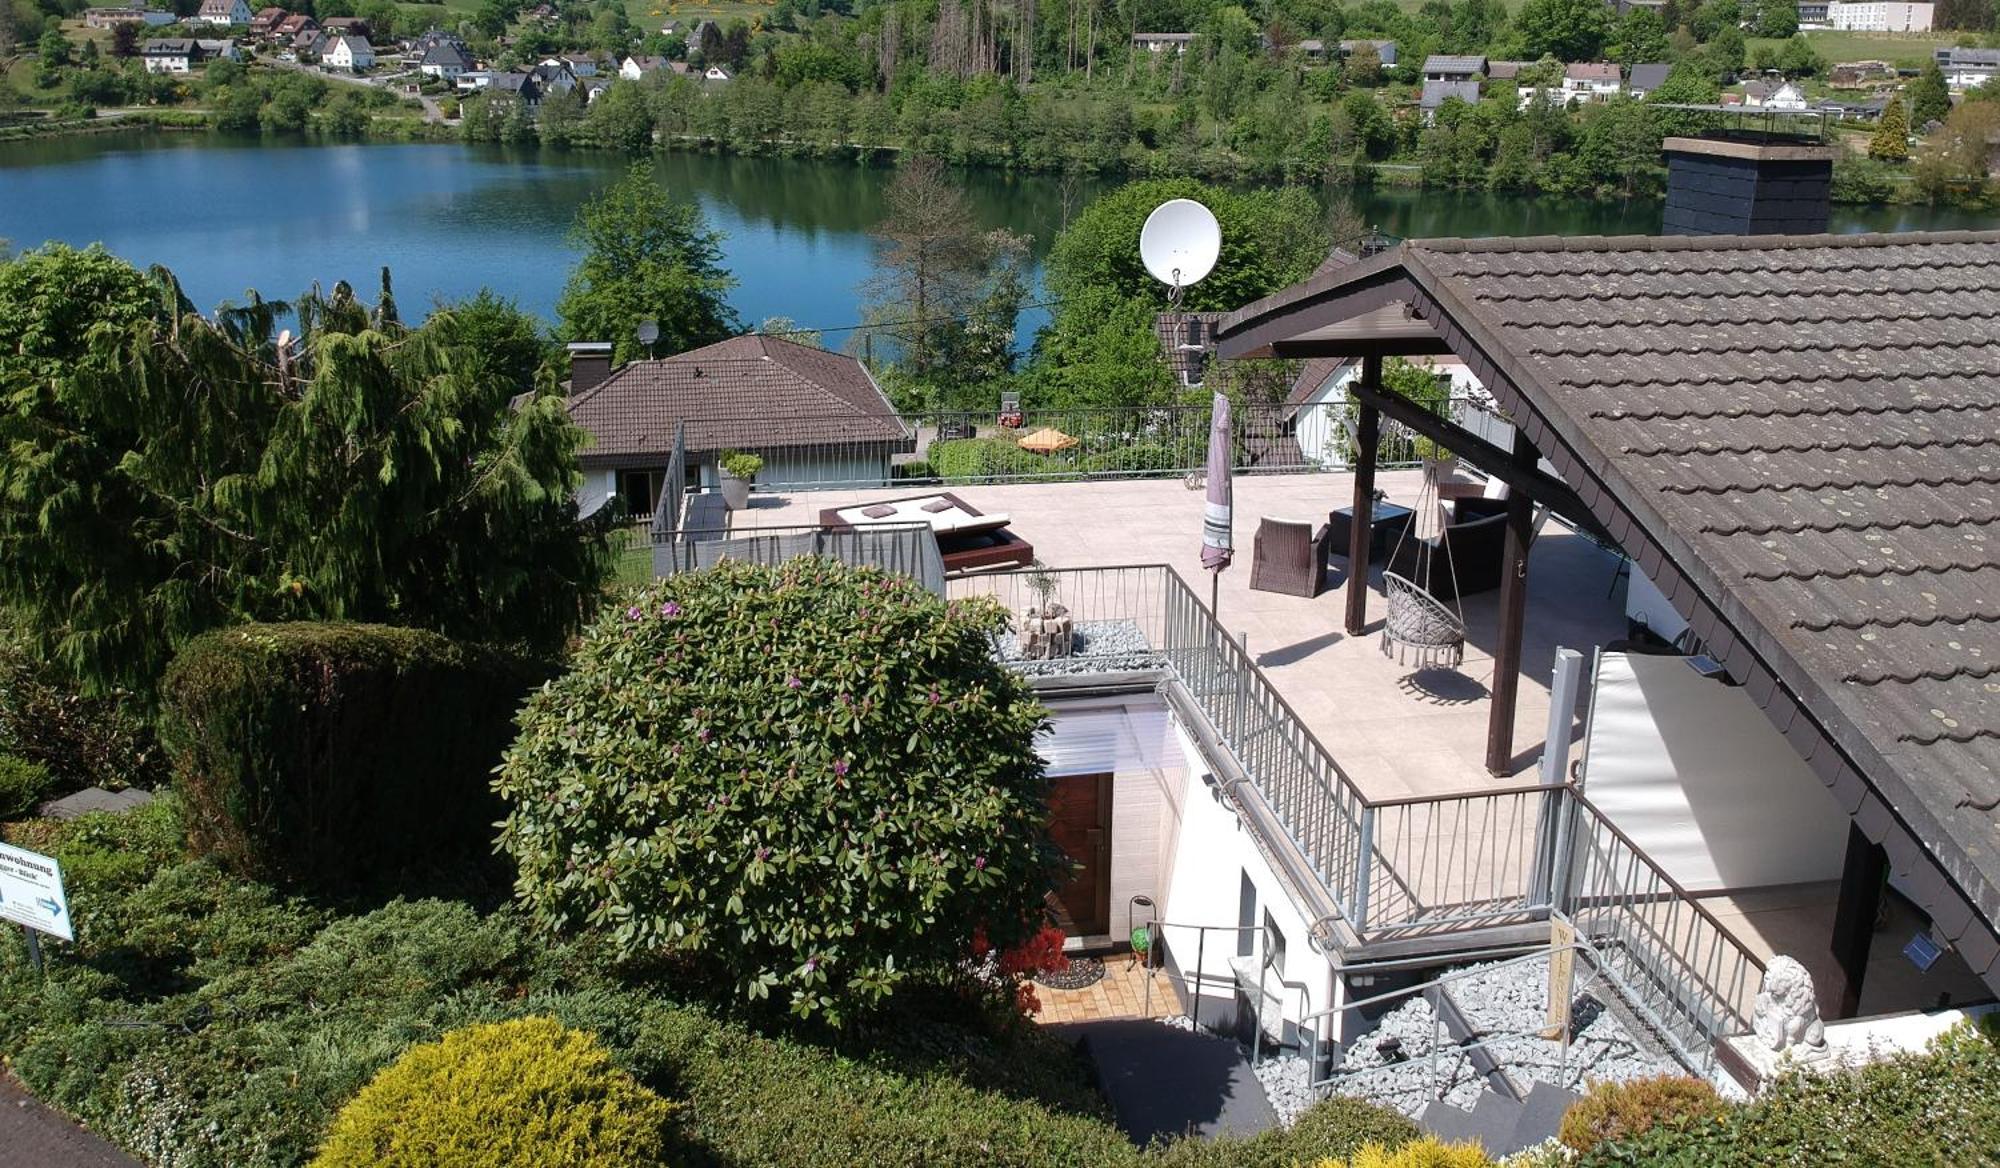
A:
x: 814, y: 777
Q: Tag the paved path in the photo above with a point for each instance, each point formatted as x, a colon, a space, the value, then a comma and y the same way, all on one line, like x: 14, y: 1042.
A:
x: 1166, y: 1082
x: 33, y: 1136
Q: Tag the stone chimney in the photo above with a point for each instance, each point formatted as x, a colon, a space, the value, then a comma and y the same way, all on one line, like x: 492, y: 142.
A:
x: 589, y: 365
x: 1724, y: 186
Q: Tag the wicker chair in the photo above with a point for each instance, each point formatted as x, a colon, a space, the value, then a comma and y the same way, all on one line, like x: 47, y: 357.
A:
x: 1289, y: 557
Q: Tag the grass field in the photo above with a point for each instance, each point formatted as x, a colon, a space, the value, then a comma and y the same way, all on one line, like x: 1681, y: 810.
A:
x: 1909, y: 50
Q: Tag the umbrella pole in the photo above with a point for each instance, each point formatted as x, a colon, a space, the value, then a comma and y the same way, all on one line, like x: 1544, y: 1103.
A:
x: 1214, y: 590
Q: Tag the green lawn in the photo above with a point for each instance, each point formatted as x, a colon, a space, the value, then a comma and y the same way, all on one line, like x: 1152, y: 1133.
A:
x: 1903, y: 49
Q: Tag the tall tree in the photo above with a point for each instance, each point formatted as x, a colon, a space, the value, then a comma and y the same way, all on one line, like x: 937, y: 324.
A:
x: 1891, y: 142
x: 1571, y: 30
x: 1930, y: 98
x: 944, y: 292
x: 170, y: 473
x: 646, y: 256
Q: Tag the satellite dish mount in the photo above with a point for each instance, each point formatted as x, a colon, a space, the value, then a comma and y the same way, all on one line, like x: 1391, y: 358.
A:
x: 1179, y: 245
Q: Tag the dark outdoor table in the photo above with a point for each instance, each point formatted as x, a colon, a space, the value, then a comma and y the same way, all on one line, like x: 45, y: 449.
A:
x: 1389, y: 520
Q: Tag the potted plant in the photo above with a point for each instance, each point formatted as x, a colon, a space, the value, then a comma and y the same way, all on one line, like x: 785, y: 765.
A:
x: 1045, y: 626
x: 738, y: 469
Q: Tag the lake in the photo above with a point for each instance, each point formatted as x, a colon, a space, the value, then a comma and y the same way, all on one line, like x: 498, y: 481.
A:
x: 448, y: 219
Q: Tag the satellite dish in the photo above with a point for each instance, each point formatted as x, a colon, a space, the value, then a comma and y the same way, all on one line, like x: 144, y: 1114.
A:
x: 1180, y: 242
x: 649, y: 331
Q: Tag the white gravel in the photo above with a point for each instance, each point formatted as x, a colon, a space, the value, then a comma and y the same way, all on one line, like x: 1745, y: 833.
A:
x: 1097, y: 647
x: 1501, y: 999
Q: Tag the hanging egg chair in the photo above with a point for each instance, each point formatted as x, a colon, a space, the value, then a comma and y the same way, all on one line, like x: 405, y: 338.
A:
x: 1421, y: 629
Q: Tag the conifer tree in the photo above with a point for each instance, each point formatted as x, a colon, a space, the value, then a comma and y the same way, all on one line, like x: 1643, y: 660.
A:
x: 1891, y: 142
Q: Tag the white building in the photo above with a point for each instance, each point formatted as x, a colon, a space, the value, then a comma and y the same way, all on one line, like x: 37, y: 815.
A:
x: 1162, y: 42
x: 1600, y: 81
x: 1967, y: 68
x: 170, y: 55
x: 222, y: 13
x: 352, y: 54
x: 446, y: 60
x: 1879, y: 16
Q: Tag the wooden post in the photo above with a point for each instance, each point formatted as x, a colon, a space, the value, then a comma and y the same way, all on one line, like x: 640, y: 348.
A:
x: 1862, y: 876
x: 1513, y: 615
x: 1367, y: 442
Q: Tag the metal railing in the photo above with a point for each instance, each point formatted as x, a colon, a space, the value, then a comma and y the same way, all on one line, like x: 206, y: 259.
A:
x: 1432, y: 863
x: 1159, y: 949
x: 1118, y: 615
x: 909, y: 549
x: 953, y: 448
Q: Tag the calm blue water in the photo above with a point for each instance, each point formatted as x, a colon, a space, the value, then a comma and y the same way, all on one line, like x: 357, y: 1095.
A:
x: 449, y: 219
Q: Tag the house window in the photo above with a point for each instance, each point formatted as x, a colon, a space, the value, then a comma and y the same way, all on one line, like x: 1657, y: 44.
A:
x: 1274, y: 941
x: 640, y: 489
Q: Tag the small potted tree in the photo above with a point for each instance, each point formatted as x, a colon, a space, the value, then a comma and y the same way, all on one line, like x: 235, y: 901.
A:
x: 1045, y: 626
x: 738, y: 469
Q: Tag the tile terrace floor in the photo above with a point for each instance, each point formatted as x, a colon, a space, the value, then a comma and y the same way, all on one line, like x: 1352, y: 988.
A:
x: 1121, y: 993
x: 1372, y: 714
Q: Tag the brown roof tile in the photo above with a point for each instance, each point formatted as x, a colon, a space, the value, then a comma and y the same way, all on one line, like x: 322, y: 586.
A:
x: 751, y: 392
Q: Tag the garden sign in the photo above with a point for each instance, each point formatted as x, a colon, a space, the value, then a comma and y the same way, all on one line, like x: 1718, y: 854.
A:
x: 31, y: 892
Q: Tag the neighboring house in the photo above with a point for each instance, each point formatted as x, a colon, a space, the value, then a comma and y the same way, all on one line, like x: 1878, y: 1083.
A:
x: 581, y: 67
x: 1968, y: 68
x: 522, y: 86
x: 353, y: 26
x: 1814, y: 14
x: 1647, y: 77
x: 1784, y: 95
x: 1317, y: 414
x: 639, y: 68
x: 1880, y: 16
x: 432, y: 38
x: 1313, y: 50
x: 1442, y: 67
x: 170, y: 54
x: 222, y: 13
x: 473, y: 80
x: 113, y: 17
x: 350, y: 53
x: 1598, y: 81
x: 1855, y: 111
x: 815, y: 416
x: 309, y: 42
x: 1436, y: 93
x: 219, y: 50
x: 592, y: 90
x: 1505, y: 70
x: 716, y: 73
x: 445, y: 60
x: 553, y: 76
x: 1384, y: 50
x: 1187, y: 341
x: 265, y: 20
x: 1162, y: 42
x: 290, y: 27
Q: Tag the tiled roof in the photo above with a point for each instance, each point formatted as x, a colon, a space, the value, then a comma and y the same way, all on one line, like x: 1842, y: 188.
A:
x: 1443, y: 63
x: 1649, y: 76
x: 750, y: 392
x: 1195, y: 331
x: 1808, y: 430
x: 1592, y: 71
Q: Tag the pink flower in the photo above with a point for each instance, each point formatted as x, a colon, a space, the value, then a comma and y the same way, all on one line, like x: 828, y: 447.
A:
x: 632, y: 613
x: 812, y: 964
x: 934, y: 697
x: 792, y: 681
x: 703, y: 734
x: 979, y: 862
x: 840, y: 766
x: 763, y: 853
x: 670, y: 610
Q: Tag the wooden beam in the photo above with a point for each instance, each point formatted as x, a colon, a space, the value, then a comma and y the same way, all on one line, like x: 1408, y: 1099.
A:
x: 1542, y: 488
x: 1513, y: 617
x: 1361, y: 532
x: 1862, y: 877
x: 1430, y: 345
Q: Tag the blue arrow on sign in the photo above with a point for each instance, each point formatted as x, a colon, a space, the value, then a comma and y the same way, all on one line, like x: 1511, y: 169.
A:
x: 55, y: 910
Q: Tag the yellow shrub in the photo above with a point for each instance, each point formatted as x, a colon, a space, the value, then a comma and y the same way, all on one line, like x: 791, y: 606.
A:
x: 523, y: 1092
x: 1428, y: 1152
x: 1620, y: 1111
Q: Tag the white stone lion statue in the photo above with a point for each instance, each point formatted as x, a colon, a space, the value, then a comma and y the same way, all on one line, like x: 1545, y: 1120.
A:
x: 1787, y: 1012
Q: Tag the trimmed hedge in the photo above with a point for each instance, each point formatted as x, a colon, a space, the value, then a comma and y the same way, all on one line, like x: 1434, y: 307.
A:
x: 22, y: 785
x: 336, y: 754
x: 529, y: 1091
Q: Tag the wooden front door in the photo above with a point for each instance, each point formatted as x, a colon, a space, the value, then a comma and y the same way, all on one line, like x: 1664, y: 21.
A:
x: 1080, y: 824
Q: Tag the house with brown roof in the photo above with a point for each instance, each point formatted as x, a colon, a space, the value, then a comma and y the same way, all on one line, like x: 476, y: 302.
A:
x: 816, y: 417
x: 1592, y: 81
x: 265, y: 20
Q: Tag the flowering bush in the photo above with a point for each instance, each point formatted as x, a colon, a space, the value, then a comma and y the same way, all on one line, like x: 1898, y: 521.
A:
x: 815, y: 778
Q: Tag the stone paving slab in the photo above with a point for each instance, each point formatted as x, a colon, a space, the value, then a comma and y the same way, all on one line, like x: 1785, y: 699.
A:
x: 1165, y: 1081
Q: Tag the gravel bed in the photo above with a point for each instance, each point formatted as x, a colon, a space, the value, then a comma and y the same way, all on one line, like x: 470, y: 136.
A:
x: 1105, y: 646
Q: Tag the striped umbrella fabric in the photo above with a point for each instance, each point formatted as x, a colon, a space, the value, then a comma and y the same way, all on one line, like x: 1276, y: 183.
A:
x: 1217, y: 543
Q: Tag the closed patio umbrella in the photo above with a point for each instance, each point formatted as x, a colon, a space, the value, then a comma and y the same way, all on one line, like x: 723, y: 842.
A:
x: 1218, y: 544
x: 1047, y: 440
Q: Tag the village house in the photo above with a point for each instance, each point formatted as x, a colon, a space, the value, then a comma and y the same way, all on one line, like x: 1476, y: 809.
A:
x: 177, y: 55
x: 1878, y: 16
x: 218, y: 50
x: 815, y: 416
x: 222, y: 13
x: 352, y: 54
x: 522, y: 87
x: 1646, y: 78
x: 1162, y: 42
x: 446, y: 59
x: 1448, y: 77
x: 289, y: 28
x: 1783, y: 95
x: 553, y: 76
x: 1445, y: 67
x: 1505, y: 70
x: 581, y: 66
x: 636, y: 68
x: 134, y: 14
x: 716, y: 73
x: 1385, y: 51
x: 1968, y: 68
x: 1599, y: 81
x: 265, y: 21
